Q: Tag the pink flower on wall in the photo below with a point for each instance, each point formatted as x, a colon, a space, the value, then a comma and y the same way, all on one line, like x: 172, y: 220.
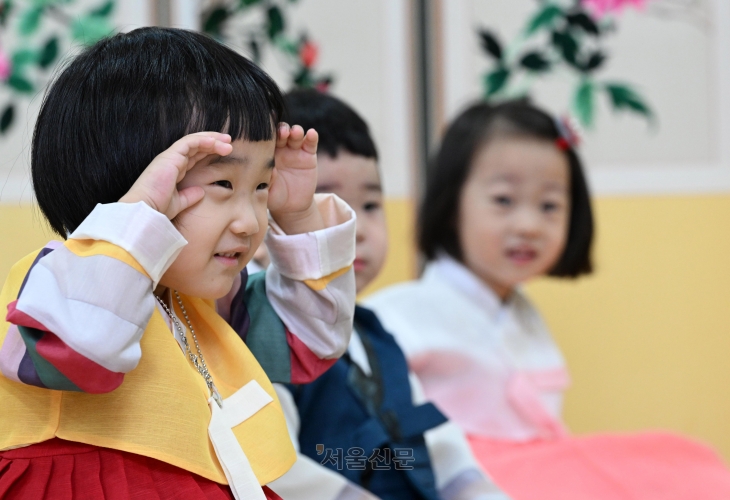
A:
x: 602, y: 7
x: 5, y: 66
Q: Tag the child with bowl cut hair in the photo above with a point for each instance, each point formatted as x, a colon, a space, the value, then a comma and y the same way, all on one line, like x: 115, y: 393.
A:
x: 159, y: 156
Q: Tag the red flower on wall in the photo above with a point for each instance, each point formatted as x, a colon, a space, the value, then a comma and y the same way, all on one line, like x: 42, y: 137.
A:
x: 308, y: 53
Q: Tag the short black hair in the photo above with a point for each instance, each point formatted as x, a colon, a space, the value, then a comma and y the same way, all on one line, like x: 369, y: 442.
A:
x: 338, y: 125
x: 128, y: 98
x: 450, y: 166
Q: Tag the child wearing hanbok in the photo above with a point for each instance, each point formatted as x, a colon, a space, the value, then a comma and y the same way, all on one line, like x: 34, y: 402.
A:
x: 364, y: 430
x: 507, y: 201
x: 155, y: 157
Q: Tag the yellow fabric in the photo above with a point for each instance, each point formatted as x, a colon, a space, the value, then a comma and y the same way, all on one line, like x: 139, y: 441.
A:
x: 161, y: 409
x: 321, y: 283
x: 87, y: 248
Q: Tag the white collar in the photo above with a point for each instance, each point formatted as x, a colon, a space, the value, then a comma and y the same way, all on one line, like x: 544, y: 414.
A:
x: 446, y: 269
x: 358, y: 354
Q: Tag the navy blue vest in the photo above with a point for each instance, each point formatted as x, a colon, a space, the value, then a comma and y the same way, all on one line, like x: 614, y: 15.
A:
x: 346, y: 411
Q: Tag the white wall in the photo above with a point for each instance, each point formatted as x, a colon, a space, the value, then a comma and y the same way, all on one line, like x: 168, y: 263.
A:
x: 678, y: 63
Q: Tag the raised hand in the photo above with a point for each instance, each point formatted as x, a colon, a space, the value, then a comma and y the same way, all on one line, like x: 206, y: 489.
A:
x: 291, y: 196
x: 157, y: 186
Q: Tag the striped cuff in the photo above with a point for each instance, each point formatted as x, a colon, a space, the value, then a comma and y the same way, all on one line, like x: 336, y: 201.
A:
x: 319, y: 254
x: 145, y: 233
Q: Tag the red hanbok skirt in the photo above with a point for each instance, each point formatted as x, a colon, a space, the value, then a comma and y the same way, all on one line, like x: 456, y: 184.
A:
x: 58, y: 469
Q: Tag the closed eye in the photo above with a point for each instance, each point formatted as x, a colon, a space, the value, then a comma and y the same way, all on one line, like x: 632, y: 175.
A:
x: 224, y: 184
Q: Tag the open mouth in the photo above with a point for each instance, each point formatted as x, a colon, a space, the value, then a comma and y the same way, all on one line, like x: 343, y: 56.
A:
x: 228, y: 258
x: 522, y: 255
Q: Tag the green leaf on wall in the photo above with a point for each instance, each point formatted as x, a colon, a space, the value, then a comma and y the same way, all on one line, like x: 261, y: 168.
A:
x: 49, y: 53
x: 544, y: 18
x: 585, y: 22
x: 253, y: 46
x: 19, y: 83
x: 490, y: 44
x: 6, y: 7
x: 7, y: 118
x: 23, y: 57
x: 566, y: 44
x: 595, y: 61
x: 90, y: 29
x: 247, y: 3
x: 275, y: 22
x: 583, y: 102
x: 214, y: 20
x: 535, y: 61
x: 495, y: 81
x: 624, y: 98
x: 104, y: 10
x: 30, y: 20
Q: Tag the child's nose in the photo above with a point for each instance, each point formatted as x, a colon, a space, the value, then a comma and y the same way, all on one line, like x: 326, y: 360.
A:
x: 527, y: 221
x: 244, y: 221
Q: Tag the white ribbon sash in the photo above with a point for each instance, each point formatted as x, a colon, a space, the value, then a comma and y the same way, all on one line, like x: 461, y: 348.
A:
x: 242, y: 405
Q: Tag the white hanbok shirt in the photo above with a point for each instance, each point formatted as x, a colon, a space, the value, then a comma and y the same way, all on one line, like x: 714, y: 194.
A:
x: 491, y: 366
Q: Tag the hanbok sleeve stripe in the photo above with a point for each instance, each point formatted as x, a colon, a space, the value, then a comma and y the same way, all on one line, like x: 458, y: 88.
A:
x: 48, y: 374
x: 306, y: 366
x: 11, y: 354
x: 82, y: 372
x: 88, y: 248
x: 102, y: 320
x: 51, y: 246
x: 320, y: 284
x: 18, y: 317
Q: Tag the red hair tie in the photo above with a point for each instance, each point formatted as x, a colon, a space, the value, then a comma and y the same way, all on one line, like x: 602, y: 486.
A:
x: 568, y: 136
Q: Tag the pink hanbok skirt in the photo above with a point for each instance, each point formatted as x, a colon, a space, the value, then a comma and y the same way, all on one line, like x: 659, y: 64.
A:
x: 650, y: 466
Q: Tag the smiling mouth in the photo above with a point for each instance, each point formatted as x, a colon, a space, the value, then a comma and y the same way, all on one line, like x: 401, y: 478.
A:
x: 230, y: 255
x: 522, y: 255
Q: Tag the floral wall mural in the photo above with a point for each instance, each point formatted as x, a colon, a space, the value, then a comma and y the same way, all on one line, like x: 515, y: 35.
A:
x: 41, y: 32
x: 568, y: 40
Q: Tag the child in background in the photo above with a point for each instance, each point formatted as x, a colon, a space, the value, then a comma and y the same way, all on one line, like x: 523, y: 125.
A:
x: 506, y: 201
x: 365, y: 425
x: 120, y: 378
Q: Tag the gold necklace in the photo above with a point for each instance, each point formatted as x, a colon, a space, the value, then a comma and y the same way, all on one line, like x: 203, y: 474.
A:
x: 198, y: 360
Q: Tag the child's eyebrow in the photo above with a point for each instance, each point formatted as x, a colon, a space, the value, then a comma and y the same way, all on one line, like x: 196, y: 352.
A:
x: 230, y: 159
x: 373, y: 186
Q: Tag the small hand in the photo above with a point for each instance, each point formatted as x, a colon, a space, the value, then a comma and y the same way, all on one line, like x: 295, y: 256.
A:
x: 291, y: 197
x: 157, y: 186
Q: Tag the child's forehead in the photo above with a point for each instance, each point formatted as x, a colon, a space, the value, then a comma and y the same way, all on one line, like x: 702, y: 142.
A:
x: 348, y: 170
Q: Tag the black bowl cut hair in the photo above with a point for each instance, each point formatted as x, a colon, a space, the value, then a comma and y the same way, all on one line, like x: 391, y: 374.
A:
x: 128, y: 98
x: 338, y: 125
x: 450, y: 167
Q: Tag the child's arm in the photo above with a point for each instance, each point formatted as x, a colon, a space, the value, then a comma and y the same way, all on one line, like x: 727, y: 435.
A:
x: 82, y: 308
x: 301, y: 315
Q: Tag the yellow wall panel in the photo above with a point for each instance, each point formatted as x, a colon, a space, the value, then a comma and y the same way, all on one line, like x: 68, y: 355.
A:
x: 22, y: 230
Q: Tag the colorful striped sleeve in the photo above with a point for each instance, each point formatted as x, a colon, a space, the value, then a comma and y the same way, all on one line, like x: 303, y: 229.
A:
x: 299, y: 313
x: 82, y: 308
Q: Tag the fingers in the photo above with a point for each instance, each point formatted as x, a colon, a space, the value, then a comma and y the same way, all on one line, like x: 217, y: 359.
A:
x: 310, y: 141
x: 197, y: 146
x: 187, y: 198
x: 282, y: 135
x: 294, y: 138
